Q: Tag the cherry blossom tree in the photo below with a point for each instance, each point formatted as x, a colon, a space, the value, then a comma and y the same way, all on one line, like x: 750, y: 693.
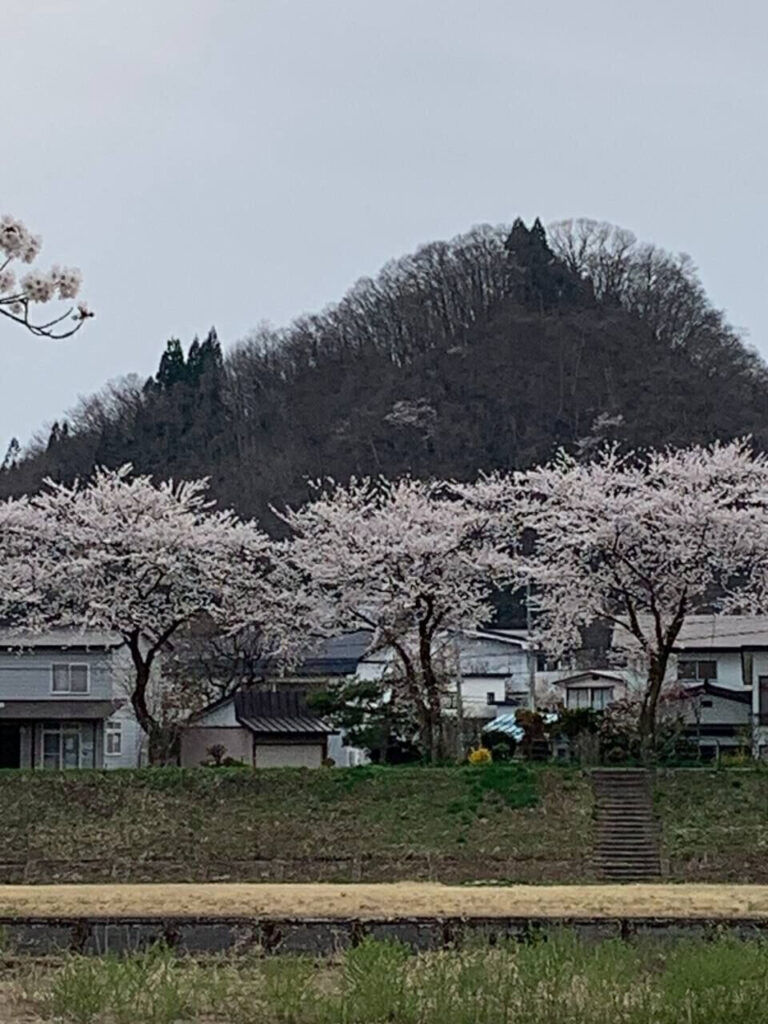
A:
x: 143, y: 560
x: 19, y: 547
x: 642, y: 540
x: 411, y: 561
x: 20, y: 296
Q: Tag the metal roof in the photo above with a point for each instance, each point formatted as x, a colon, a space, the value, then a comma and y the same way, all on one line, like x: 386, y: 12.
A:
x: 708, y: 633
x: 278, y: 711
x: 287, y: 725
x: 336, y: 655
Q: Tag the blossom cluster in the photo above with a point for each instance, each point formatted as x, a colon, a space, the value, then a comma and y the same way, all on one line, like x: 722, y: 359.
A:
x: 16, y: 241
x: 36, y: 286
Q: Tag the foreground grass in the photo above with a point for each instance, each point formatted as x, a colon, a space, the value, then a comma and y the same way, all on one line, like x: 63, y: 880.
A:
x: 383, y: 901
x: 560, y: 981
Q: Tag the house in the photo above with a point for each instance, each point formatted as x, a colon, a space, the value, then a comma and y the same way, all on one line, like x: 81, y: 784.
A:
x: 272, y: 728
x: 594, y: 688
x: 59, y: 705
x: 496, y: 670
x: 721, y: 663
x: 722, y: 660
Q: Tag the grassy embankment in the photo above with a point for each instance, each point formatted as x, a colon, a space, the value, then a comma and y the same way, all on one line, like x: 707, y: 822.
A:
x: 507, y: 823
x: 562, y: 980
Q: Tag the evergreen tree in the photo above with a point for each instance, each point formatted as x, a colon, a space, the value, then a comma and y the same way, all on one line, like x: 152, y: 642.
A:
x: 12, y: 455
x: 172, y: 368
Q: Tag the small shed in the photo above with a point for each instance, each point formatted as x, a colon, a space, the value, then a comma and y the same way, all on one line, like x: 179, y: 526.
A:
x: 265, y: 728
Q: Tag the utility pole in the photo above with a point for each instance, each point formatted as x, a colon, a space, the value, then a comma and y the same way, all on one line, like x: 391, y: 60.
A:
x: 531, y: 651
x: 459, y: 700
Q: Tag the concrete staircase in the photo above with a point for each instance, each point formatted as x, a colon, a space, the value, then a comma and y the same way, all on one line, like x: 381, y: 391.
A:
x: 627, y: 844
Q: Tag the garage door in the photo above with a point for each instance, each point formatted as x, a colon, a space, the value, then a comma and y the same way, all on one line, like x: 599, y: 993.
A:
x: 289, y: 755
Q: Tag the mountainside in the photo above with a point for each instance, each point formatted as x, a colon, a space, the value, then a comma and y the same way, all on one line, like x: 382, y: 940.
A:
x: 485, y: 352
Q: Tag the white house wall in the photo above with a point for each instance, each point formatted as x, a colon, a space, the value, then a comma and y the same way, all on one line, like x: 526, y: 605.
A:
x: 474, y: 696
x: 132, y: 740
x: 28, y: 675
x: 721, y: 712
x: 486, y: 665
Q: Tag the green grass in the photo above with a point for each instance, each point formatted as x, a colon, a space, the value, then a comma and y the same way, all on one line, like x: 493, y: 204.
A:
x: 510, y: 823
x: 336, y: 824
x: 561, y: 980
x: 715, y: 823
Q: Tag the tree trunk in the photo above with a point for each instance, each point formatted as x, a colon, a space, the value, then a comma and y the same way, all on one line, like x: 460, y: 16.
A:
x: 647, y: 722
x: 147, y: 723
x: 164, y: 742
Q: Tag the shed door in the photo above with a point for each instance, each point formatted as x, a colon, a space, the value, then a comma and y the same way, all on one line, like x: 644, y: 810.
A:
x: 288, y: 755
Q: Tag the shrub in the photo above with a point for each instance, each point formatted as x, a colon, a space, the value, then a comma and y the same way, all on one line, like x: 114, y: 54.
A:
x: 501, y: 745
x: 217, y: 758
x: 480, y: 755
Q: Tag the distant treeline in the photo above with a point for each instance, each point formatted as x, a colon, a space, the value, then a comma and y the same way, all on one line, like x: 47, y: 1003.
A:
x: 488, y: 351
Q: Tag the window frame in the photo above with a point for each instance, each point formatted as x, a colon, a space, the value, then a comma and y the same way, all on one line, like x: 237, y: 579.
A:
x: 698, y: 676
x: 573, y: 702
x: 113, y: 729
x: 86, y: 744
x: 69, y: 665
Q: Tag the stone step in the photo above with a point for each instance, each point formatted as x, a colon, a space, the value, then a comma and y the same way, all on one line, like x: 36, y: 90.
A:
x: 633, y: 821
x: 628, y: 839
x: 617, y: 870
x: 621, y: 812
x: 627, y: 865
x: 625, y: 823
x: 630, y: 797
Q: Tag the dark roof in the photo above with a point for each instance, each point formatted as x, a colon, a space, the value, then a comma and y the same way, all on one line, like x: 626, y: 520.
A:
x: 742, y: 696
x: 599, y: 674
x: 58, y: 710
x: 280, y: 710
x: 337, y: 655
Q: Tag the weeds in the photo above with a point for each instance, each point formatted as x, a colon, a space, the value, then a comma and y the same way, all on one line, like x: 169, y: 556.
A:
x: 561, y: 980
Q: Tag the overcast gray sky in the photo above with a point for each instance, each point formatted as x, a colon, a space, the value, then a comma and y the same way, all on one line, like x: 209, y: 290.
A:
x: 230, y: 161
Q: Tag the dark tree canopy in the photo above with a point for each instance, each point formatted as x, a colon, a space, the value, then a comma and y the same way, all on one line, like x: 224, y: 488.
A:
x: 484, y: 352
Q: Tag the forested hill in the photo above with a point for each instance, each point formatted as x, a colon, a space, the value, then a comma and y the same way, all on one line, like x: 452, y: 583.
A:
x: 487, y: 351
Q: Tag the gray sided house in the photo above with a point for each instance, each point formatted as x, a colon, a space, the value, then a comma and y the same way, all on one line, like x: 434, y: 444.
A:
x: 264, y: 728
x: 721, y: 663
x: 58, y: 703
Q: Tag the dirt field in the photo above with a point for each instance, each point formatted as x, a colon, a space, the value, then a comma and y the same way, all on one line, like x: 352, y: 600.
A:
x: 383, y: 901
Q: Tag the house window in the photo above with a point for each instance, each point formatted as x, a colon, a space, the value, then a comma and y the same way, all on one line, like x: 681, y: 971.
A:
x: 600, y: 697
x: 490, y: 697
x: 66, y: 678
x: 697, y: 670
x: 595, y: 697
x: 113, y: 739
x: 67, y: 745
